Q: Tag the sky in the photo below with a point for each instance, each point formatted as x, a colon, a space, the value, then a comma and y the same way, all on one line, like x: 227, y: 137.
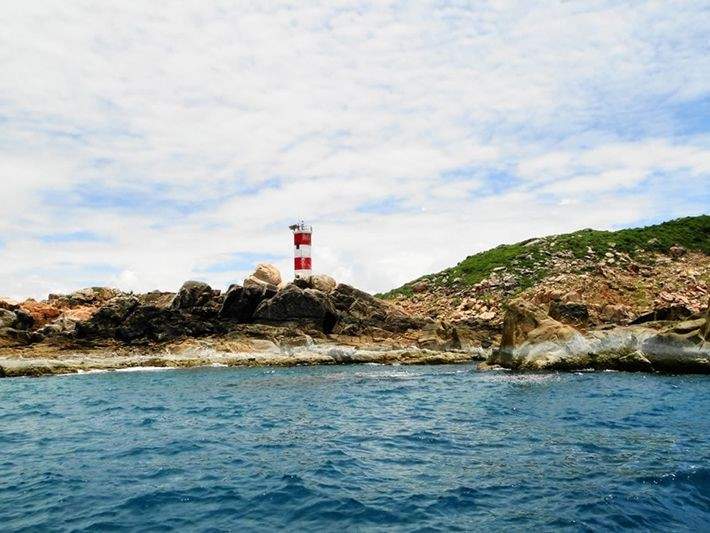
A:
x: 146, y: 143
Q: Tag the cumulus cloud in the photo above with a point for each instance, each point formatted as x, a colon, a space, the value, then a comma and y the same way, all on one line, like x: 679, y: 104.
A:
x: 141, y: 146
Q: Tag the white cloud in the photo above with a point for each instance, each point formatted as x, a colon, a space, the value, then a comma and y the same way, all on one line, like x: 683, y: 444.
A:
x: 411, y: 135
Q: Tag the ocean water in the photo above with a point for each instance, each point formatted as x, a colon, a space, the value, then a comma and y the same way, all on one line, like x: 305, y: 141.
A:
x: 354, y: 448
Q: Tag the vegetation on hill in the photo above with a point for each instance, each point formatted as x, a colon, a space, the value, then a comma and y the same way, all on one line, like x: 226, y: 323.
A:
x: 528, y: 260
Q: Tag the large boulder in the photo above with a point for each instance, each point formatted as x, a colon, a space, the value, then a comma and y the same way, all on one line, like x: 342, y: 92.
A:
x: 240, y: 303
x: 23, y: 320
x: 532, y: 339
x: 680, y: 347
x: 293, y: 304
x: 361, y: 310
x: 439, y: 336
x: 106, y: 321
x: 193, y: 295
x: 323, y: 283
x: 320, y: 282
x: 79, y: 314
x: 521, y: 318
x: 265, y: 275
x: 7, y: 319
x: 65, y: 325
x: 614, y: 313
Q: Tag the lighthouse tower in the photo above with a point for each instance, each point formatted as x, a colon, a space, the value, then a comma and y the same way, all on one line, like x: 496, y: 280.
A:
x: 301, y: 249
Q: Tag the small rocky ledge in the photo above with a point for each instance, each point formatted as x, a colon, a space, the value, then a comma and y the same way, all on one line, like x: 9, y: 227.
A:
x: 533, y: 340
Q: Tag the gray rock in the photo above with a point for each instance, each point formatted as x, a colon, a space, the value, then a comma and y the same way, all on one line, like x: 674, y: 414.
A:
x: 108, y: 318
x: 7, y: 319
x: 193, y: 294
x: 673, y: 312
x: 576, y: 313
x: 240, y: 303
x: 296, y: 304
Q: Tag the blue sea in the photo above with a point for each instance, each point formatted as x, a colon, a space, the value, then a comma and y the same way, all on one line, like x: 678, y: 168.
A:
x: 354, y: 448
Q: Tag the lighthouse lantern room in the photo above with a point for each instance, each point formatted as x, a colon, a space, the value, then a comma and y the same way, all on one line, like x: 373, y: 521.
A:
x: 301, y: 249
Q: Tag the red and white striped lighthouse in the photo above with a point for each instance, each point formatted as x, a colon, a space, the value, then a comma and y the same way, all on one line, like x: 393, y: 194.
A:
x: 301, y: 249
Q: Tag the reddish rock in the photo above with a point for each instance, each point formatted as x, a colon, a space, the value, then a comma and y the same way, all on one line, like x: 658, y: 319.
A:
x: 41, y: 312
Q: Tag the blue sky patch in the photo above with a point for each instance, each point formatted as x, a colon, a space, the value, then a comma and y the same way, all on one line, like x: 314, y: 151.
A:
x: 73, y: 236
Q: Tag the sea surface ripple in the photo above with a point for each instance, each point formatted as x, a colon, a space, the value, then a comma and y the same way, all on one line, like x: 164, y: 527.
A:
x: 357, y: 448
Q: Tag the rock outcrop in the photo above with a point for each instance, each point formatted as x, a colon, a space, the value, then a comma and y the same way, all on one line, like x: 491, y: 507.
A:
x: 240, y: 303
x: 7, y: 319
x: 293, y: 304
x: 359, y: 310
x: 198, y: 298
x: 532, y: 340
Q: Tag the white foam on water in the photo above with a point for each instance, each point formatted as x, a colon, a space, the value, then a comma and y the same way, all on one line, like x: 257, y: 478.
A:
x: 145, y: 369
x: 81, y: 372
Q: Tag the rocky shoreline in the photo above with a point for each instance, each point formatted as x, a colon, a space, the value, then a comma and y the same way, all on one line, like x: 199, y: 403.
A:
x: 203, y: 355
x: 266, y: 322
x: 533, y: 340
x: 263, y: 322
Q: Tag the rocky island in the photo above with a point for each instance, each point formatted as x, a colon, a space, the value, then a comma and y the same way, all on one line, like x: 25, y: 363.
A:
x: 634, y: 300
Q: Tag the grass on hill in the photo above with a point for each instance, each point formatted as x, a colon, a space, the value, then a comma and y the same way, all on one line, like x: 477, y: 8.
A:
x: 528, y: 258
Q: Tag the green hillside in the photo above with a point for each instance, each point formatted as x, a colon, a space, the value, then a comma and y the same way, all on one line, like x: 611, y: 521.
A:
x: 527, y: 260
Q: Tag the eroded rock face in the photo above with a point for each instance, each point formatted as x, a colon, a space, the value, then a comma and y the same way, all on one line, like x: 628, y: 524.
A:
x: 360, y: 309
x: 614, y: 313
x: 240, y: 303
x: 525, y: 321
x: 295, y: 304
x: 193, y: 295
x: 7, y: 319
x: 106, y: 321
x: 661, y: 314
x: 569, y: 312
x: 150, y: 323
x: 531, y: 340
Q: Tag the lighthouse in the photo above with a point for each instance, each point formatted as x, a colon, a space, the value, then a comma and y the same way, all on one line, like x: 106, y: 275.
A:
x: 301, y: 249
